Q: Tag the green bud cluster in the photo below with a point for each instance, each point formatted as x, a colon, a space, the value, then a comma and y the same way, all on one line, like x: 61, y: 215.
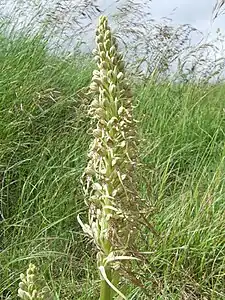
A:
x: 109, y: 181
x: 29, y: 287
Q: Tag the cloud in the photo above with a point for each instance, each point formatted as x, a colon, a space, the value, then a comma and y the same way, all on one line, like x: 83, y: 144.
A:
x: 198, y: 13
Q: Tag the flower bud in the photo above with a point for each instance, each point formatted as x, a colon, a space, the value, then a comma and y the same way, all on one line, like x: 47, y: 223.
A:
x: 24, y: 295
x: 95, y: 52
x: 34, y: 294
x: 120, y: 76
x: 107, y: 45
x: 103, y: 65
x: 95, y: 103
x: 110, y: 74
x: 93, y: 87
x: 97, y: 59
x: 102, y: 55
x: 112, y: 50
x: 23, y: 277
x: 97, y: 132
x: 112, y: 88
x: 108, y: 35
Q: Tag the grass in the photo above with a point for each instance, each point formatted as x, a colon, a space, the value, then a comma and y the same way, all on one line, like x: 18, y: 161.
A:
x: 184, y: 162
x: 43, y: 146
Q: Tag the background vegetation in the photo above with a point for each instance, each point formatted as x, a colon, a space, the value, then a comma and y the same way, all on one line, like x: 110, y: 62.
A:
x: 43, y: 146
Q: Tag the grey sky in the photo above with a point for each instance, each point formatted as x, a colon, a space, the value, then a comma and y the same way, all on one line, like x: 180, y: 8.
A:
x: 198, y: 13
x: 187, y: 10
x: 195, y: 12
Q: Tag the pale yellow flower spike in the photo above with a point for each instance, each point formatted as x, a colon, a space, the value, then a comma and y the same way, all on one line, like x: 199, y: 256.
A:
x: 109, y: 180
x: 29, y: 287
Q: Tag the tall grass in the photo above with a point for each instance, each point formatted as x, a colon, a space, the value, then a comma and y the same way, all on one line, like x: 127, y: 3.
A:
x: 183, y: 152
x: 43, y: 146
x: 43, y: 140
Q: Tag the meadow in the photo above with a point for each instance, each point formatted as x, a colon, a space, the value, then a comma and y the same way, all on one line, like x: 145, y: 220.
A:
x: 43, y: 146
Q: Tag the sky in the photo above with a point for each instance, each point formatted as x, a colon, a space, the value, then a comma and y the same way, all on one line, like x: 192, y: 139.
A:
x: 198, y: 13
x: 195, y: 12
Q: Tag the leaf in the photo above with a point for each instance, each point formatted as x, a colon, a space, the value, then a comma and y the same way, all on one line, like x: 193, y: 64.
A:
x: 103, y: 273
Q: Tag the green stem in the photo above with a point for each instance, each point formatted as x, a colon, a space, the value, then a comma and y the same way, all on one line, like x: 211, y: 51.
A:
x: 106, y: 291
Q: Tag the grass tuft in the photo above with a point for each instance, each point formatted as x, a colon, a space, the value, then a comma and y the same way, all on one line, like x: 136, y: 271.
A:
x: 43, y: 147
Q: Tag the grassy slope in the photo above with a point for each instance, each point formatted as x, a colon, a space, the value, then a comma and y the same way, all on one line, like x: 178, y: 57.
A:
x: 43, y: 143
